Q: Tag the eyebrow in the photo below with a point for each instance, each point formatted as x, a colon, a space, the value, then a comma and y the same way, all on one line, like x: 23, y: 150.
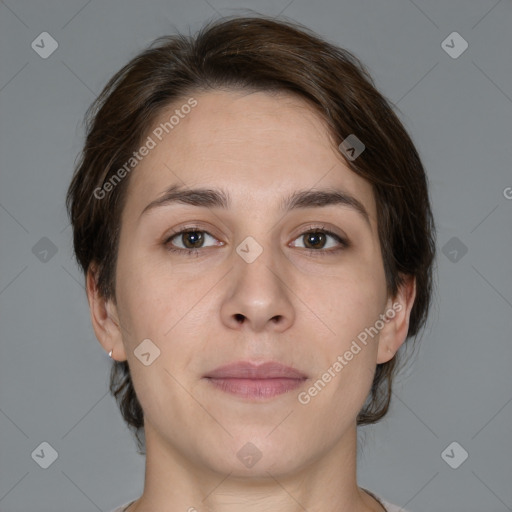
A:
x: 218, y: 198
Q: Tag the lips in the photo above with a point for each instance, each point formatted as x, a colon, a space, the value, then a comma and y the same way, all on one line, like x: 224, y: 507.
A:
x: 248, y: 370
x: 252, y: 382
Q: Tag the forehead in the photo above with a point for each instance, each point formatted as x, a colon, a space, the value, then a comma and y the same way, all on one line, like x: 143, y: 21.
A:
x: 261, y: 146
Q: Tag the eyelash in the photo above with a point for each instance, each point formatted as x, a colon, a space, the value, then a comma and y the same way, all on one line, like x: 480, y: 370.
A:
x: 317, y: 252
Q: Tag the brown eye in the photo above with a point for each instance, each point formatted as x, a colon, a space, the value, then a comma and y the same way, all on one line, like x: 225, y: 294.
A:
x: 316, y: 240
x: 191, y: 239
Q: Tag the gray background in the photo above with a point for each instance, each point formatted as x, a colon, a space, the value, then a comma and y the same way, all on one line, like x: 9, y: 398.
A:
x: 457, y: 386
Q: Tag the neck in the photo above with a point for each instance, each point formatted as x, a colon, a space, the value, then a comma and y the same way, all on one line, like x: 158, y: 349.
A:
x: 328, y: 483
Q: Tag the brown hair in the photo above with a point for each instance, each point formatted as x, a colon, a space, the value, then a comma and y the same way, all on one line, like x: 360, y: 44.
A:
x: 261, y: 54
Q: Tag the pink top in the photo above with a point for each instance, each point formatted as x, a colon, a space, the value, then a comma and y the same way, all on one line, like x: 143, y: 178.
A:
x: 388, y: 506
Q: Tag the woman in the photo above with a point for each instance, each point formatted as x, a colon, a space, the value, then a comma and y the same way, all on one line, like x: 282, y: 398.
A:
x: 254, y: 225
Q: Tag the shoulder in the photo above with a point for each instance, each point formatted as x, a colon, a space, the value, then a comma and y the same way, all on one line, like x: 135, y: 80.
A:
x: 389, y: 506
x: 122, y: 507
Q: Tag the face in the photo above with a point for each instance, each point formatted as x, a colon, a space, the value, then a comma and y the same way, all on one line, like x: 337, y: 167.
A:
x: 256, y: 280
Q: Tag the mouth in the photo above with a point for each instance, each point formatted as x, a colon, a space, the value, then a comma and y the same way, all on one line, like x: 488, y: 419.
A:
x: 255, y: 382
x: 256, y: 389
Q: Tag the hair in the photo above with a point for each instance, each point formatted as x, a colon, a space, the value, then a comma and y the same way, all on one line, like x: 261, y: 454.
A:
x: 255, y: 54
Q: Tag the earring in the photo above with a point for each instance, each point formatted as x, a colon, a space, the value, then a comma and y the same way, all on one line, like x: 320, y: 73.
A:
x: 110, y: 354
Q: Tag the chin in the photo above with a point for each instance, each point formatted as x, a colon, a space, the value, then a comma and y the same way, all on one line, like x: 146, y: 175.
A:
x: 256, y: 456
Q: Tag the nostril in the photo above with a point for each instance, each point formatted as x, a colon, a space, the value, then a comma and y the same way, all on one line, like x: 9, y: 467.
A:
x: 239, y: 317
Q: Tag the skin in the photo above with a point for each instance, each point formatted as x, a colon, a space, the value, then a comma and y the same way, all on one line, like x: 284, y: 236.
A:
x: 260, y: 148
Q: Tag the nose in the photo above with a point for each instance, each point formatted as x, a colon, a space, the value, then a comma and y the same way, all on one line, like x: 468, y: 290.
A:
x: 259, y: 295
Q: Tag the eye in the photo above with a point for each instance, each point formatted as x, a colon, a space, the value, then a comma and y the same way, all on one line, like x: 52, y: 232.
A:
x: 192, y: 239
x: 315, y: 241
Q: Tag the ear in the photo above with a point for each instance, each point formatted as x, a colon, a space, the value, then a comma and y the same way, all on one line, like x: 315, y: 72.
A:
x: 398, y: 311
x: 104, y: 317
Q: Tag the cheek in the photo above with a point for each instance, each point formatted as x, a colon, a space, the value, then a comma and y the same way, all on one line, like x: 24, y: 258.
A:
x: 144, y: 298
x: 164, y: 306
x: 354, y: 298
x: 346, y: 356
